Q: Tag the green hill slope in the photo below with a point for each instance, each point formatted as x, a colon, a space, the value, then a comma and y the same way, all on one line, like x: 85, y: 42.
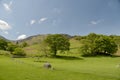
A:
x: 35, y: 46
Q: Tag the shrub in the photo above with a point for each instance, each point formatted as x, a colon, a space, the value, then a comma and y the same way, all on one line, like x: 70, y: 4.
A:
x: 19, y: 52
x: 5, y: 53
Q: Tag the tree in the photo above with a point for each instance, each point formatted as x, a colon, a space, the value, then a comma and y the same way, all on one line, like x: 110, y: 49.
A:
x: 3, y: 44
x: 116, y: 39
x: 24, y: 44
x: 105, y: 45
x: 11, y: 47
x: 57, y: 42
x: 19, y: 52
x: 100, y: 45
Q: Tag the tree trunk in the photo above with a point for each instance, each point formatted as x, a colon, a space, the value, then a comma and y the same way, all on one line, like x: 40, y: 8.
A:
x: 55, y: 52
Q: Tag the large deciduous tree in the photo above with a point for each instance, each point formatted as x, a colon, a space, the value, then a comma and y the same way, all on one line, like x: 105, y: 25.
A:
x: 98, y: 45
x: 57, y: 42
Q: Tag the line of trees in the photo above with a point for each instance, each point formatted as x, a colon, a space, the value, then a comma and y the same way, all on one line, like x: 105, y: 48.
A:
x: 14, y: 49
x: 92, y: 44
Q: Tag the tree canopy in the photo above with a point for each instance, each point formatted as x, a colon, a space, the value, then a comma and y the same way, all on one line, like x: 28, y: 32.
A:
x: 11, y: 47
x: 57, y: 42
x: 98, y: 45
x: 3, y: 44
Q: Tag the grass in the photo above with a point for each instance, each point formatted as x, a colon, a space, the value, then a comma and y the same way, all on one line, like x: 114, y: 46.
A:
x: 66, y: 68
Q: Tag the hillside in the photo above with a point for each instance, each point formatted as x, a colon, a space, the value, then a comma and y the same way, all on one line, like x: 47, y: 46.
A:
x: 36, y: 39
x: 33, y: 39
x: 1, y: 37
x: 35, y: 45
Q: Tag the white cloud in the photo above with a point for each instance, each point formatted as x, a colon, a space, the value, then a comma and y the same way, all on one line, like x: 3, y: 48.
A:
x: 4, y: 25
x: 96, y: 22
x: 43, y: 19
x: 20, y: 37
x: 8, y: 6
x: 32, y: 22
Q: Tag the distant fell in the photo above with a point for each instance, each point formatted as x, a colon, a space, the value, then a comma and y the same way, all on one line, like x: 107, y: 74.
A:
x: 38, y: 38
x: 1, y: 37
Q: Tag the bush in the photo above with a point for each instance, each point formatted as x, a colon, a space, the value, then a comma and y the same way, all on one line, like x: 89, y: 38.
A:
x: 5, y: 53
x: 19, y: 52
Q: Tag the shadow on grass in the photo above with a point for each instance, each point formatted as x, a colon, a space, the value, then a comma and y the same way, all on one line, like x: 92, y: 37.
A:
x: 115, y: 56
x: 40, y: 61
x: 68, y: 58
x: 99, y: 56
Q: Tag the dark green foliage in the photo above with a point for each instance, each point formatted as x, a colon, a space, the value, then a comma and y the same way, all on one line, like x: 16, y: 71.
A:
x: 105, y: 45
x: 116, y: 39
x: 98, y: 45
x: 19, y: 52
x: 3, y: 44
x: 57, y: 42
x: 15, y: 50
x: 11, y: 47
x: 24, y: 44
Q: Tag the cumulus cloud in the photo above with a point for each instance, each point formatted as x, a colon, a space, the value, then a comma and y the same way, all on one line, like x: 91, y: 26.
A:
x: 32, y: 22
x: 20, y: 37
x: 43, y: 19
x: 4, y: 25
x: 8, y: 6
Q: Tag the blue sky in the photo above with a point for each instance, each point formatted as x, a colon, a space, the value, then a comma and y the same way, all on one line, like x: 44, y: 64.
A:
x: 23, y: 18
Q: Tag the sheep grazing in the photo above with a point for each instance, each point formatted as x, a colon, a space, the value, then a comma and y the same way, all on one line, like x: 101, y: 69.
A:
x: 47, y: 65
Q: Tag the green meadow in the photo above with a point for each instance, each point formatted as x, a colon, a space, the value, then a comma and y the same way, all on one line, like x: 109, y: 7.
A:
x: 64, y: 68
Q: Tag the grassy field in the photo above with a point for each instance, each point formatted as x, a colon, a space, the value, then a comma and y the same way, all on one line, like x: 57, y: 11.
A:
x: 65, y: 68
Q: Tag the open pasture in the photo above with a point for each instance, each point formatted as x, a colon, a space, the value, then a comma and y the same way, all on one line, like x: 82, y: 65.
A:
x: 65, y: 68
